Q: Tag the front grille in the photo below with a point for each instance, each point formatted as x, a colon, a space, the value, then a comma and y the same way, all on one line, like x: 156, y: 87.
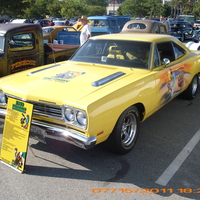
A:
x: 43, y: 109
x: 48, y: 110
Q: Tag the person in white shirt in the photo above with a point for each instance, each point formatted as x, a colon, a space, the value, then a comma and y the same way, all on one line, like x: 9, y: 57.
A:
x: 86, y: 30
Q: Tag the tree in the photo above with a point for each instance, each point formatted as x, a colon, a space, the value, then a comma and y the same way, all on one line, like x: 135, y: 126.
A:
x: 12, y: 8
x: 96, y: 10
x: 154, y: 8
x: 142, y: 8
x: 55, y: 8
x: 196, y: 10
x: 181, y: 7
x: 101, y: 3
x: 72, y: 8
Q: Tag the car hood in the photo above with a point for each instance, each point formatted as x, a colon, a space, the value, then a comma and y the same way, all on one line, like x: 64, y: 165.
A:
x: 67, y: 81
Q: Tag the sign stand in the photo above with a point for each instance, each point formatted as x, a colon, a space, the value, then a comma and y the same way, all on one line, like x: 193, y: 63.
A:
x: 16, y: 134
x: 32, y: 151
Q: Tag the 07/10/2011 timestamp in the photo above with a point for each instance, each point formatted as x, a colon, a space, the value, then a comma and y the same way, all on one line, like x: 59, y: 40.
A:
x: 145, y: 190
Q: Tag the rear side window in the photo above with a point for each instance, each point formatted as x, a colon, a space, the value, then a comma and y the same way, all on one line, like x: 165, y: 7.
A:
x: 162, y: 30
x: 165, y: 50
x: 179, y: 51
x: 137, y: 26
x: 21, y: 42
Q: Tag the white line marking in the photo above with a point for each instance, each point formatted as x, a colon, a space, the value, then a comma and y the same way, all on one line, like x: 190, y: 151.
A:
x: 178, y: 161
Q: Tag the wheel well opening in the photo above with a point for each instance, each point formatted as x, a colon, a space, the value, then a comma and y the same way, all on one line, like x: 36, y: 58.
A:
x: 141, y: 110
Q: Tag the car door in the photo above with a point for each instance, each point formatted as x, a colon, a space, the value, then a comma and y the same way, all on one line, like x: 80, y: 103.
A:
x: 23, y: 52
x: 169, y: 77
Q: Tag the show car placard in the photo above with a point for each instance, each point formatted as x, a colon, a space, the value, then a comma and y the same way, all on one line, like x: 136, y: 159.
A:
x: 16, y: 134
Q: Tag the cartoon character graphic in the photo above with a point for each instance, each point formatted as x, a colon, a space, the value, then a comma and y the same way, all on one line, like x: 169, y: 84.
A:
x: 22, y: 120
x: 19, y: 158
x: 181, y: 80
x: 172, y: 80
x: 174, y: 83
x: 26, y: 122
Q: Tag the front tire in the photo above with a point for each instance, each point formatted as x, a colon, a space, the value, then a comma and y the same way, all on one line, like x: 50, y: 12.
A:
x: 125, y: 133
x: 191, y: 92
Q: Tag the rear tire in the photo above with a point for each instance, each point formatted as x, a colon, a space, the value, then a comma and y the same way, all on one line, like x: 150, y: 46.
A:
x: 191, y: 92
x: 125, y: 133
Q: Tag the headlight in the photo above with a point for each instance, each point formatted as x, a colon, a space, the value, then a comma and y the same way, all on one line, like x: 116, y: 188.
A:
x: 81, y: 118
x: 2, y: 98
x: 179, y: 32
x: 69, y: 114
x: 74, y: 116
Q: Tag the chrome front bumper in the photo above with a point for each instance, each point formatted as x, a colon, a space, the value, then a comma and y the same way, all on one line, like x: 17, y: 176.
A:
x: 42, y: 130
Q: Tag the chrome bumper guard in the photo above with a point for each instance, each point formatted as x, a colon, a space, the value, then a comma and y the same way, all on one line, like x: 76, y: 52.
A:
x: 42, y: 130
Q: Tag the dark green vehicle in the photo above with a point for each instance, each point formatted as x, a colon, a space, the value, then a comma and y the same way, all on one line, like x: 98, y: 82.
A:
x: 22, y: 47
x: 181, y: 29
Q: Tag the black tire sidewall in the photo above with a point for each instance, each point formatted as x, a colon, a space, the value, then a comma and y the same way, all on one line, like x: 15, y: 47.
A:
x: 114, y: 141
x: 188, y: 94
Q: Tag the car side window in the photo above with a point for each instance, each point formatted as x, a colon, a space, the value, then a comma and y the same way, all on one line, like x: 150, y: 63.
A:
x: 166, y: 50
x: 21, y: 42
x: 179, y: 51
x: 163, y: 29
x: 157, y: 29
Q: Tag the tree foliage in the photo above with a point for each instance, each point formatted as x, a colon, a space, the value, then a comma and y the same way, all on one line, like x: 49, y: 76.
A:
x: 12, y: 8
x: 142, y: 8
x: 71, y: 8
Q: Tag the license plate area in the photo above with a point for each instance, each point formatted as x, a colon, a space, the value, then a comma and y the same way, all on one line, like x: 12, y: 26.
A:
x: 37, y: 134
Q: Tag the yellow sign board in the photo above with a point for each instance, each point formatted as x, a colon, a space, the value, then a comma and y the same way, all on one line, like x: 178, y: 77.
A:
x: 16, y: 134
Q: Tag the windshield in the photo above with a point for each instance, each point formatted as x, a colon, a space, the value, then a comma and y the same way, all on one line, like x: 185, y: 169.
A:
x: 2, y: 43
x: 132, y: 54
x: 99, y: 23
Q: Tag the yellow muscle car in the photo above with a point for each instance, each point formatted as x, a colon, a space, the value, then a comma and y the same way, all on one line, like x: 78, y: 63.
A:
x: 111, y: 84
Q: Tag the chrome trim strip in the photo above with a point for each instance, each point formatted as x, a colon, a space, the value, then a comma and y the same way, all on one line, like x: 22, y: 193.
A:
x: 42, y: 69
x: 58, y: 133
x: 107, y: 79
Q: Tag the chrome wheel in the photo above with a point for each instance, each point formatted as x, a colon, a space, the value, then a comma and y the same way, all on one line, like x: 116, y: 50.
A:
x: 195, y: 83
x: 129, y: 129
x: 191, y: 91
x: 125, y: 133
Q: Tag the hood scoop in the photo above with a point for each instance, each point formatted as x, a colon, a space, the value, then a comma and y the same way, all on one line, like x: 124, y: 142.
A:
x: 107, y: 79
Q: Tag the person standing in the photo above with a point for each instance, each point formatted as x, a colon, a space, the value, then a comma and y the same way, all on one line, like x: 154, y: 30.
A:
x: 86, y: 30
x: 51, y: 23
x: 67, y: 23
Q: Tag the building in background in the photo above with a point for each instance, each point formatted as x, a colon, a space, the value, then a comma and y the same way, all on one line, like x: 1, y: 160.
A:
x: 112, y: 8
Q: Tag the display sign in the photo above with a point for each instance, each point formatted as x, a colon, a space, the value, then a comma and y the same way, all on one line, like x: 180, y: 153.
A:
x: 16, y: 134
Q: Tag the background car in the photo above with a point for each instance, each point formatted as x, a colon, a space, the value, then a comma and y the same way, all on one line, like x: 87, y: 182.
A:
x: 196, y: 34
x: 59, y: 23
x: 42, y: 22
x: 50, y: 32
x: 145, y: 26
x: 181, y: 29
x: 197, y: 24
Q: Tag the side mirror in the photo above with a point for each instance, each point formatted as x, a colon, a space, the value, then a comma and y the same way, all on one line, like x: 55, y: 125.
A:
x: 165, y: 61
